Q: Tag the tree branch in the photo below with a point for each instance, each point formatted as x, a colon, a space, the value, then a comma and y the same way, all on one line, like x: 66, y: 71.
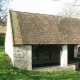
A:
x: 0, y: 0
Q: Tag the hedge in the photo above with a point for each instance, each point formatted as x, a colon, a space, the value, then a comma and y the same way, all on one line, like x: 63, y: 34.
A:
x: 2, y: 39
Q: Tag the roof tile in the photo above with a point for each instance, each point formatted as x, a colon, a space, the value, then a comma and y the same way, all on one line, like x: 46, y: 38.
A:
x: 32, y: 28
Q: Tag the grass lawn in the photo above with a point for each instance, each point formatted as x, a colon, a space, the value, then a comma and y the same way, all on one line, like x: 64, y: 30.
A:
x: 8, y: 72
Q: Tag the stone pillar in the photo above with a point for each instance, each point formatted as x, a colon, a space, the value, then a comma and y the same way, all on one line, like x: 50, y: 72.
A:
x: 75, y: 51
x: 29, y: 58
x: 23, y: 57
x: 64, y: 56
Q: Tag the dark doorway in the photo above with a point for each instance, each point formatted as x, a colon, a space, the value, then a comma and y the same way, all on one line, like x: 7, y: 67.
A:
x: 45, y: 55
x: 70, y: 53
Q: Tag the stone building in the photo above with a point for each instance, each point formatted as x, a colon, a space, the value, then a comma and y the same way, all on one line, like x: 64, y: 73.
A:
x: 41, y: 40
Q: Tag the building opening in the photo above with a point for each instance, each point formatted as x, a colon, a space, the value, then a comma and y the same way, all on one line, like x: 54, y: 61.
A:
x: 45, y: 55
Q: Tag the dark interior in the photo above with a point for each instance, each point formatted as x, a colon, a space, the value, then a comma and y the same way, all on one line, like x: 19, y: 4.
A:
x: 45, y: 55
x: 49, y: 55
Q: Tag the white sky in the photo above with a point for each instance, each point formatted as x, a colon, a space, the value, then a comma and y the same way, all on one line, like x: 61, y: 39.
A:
x: 40, y: 6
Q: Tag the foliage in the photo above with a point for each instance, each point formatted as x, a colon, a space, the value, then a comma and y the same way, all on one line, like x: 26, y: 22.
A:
x: 8, y: 72
x: 2, y: 38
x: 78, y: 54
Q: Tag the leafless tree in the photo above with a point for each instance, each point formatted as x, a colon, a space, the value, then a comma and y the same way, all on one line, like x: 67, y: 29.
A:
x: 3, y: 10
x: 70, y: 10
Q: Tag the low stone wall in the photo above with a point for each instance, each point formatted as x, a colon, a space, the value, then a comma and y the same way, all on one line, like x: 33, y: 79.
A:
x: 23, y: 57
x: 70, y: 67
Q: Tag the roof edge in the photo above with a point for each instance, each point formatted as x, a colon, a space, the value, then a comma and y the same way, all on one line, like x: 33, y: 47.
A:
x: 9, y: 13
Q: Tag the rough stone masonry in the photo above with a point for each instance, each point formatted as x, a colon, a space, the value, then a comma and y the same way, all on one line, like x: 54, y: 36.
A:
x: 23, y: 57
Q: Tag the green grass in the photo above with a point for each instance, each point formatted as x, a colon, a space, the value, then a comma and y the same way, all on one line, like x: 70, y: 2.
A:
x: 8, y: 72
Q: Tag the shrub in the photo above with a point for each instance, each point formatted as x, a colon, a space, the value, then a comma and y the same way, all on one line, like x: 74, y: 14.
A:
x: 2, y: 38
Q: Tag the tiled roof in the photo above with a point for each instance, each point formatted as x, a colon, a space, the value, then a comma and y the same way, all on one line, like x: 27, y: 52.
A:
x: 32, y: 28
x: 2, y: 29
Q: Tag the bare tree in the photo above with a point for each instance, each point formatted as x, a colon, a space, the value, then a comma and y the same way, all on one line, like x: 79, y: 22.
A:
x: 4, y: 4
x: 70, y: 10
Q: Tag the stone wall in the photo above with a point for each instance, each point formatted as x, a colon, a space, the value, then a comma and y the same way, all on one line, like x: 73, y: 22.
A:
x: 2, y: 29
x: 23, y: 57
x: 70, y: 67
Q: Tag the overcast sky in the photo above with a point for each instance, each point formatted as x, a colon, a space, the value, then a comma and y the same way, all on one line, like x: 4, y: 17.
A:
x: 40, y: 6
